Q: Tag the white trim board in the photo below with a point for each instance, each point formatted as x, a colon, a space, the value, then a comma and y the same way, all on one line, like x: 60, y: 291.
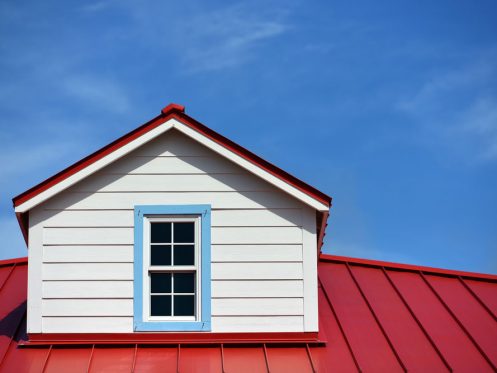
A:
x: 152, y: 134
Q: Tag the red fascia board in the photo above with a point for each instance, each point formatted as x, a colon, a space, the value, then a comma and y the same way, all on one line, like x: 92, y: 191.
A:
x: 253, y: 158
x: 9, y: 262
x: 90, y: 159
x: 172, y: 338
x: 171, y: 111
x: 407, y: 267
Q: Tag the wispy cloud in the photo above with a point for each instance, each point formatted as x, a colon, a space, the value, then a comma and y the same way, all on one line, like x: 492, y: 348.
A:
x: 96, y: 91
x: 226, y: 37
x: 460, y: 107
x: 96, y: 6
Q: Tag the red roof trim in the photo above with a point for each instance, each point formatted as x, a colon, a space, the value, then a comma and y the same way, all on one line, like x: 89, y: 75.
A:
x: 172, y: 338
x: 170, y: 111
x: 8, y: 262
x: 88, y: 160
x: 407, y: 267
x: 262, y: 163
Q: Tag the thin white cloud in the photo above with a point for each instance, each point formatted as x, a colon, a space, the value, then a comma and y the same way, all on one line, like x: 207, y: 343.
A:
x: 96, y: 91
x: 225, y: 38
x: 460, y: 108
x: 96, y: 6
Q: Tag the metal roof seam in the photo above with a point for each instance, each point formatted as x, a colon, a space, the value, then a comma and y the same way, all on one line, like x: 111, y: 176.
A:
x: 456, y: 319
x: 7, y: 277
x: 383, y: 331
x: 420, y: 325
x: 46, y: 359
x: 309, y: 355
x: 222, y: 358
x: 16, y: 332
x: 134, y: 358
x: 178, y: 357
x: 264, y: 349
x: 90, y: 358
x: 477, y: 298
x: 354, y: 358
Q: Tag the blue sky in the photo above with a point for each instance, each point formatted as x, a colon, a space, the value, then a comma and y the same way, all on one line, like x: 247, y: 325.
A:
x: 390, y: 107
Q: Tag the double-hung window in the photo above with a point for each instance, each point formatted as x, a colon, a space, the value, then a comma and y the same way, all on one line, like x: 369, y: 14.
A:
x: 172, y: 268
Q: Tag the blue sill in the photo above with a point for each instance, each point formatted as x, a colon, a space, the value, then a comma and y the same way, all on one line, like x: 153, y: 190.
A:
x: 174, y: 326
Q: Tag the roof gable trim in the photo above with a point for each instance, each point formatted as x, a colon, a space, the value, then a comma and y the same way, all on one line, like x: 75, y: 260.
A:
x: 84, y: 170
x: 171, y: 116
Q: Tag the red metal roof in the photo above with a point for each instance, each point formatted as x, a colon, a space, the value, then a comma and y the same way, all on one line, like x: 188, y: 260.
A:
x: 375, y: 317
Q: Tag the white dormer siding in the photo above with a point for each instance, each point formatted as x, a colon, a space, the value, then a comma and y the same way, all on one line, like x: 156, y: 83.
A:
x: 263, y: 244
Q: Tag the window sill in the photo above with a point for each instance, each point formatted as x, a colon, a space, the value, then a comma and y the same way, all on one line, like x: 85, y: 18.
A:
x: 172, y: 326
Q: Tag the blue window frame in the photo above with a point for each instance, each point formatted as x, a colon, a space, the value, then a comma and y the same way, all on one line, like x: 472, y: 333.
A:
x: 172, y: 268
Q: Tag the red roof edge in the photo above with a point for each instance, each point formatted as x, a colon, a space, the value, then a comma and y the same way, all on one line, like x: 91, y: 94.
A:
x: 9, y: 262
x: 170, y: 111
x: 311, y: 338
x: 407, y: 267
x: 95, y: 156
x: 254, y: 158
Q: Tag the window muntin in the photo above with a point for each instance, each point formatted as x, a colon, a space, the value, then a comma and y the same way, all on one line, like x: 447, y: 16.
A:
x: 172, y: 252
x: 174, y: 272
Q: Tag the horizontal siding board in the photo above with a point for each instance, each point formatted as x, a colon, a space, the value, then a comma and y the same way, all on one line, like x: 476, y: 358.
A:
x: 87, y: 271
x: 257, y: 218
x: 257, y: 323
x: 88, y: 236
x: 173, y: 165
x: 124, y: 235
x: 257, y: 306
x: 91, y: 218
x: 123, y: 200
x: 87, y: 324
x: 88, y: 254
x: 172, y: 183
x: 226, y: 218
x: 256, y: 235
x: 256, y: 271
x: 256, y: 253
x: 257, y: 289
x: 173, y: 143
x: 87, y: 307
x: 87, y: 289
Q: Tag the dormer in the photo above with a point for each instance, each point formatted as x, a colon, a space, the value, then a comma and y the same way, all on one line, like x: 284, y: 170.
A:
x: 172, y: 228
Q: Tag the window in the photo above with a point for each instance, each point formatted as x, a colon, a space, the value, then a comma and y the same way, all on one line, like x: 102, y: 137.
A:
x: 172, y: 268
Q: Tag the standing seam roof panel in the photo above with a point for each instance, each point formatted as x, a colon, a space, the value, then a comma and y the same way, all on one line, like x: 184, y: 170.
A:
x: 453, y: 343
x: 335, y: 356
x: 475, y: 319
x: 486, y: 293
x: 413, y: 347
x: 365, y: 337
x: 163, y: 359
x: 60, y: 359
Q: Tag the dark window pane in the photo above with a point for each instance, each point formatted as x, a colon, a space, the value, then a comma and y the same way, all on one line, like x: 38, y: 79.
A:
x: 160, y: 255
x: 160, y: 305
x: 160, y: 232
x: 184, y: 305
x: 160, y: 282
x: 184, y: 232
x: 184, y: 282
x: 184, y: 255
